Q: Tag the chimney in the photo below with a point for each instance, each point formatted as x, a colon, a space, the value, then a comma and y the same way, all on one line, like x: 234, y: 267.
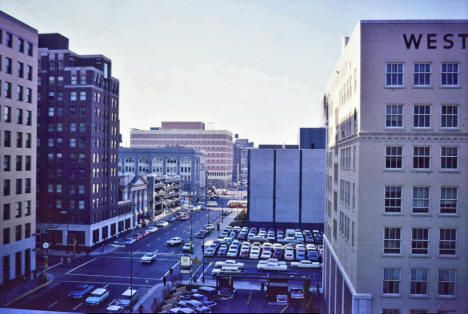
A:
x: 344, y: 43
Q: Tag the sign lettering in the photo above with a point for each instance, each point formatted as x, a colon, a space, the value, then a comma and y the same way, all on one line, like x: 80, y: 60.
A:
x: 434, y: 41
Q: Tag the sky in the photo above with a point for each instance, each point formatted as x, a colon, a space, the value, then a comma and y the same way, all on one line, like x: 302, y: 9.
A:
x: 257, y: 68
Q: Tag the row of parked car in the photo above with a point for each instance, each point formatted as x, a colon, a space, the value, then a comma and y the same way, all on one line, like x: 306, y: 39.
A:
x: 200, y: 300
x: 229, y: 267
x: 95, y: 296
x: 271, y: 234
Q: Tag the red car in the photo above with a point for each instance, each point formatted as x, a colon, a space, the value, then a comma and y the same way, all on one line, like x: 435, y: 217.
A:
x: 138, y: 236
x: 184, y: 217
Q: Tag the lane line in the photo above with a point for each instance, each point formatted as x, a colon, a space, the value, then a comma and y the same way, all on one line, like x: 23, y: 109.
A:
x: 173, y: 267
x: 68, y: 272
x: 74, y: 309
x: 111, y: 302
x: 28, y: 293
x: 109, y: 276
x: 100, y: 282
x: 52, y: 304
x: 106, y: 286
x: 54, y: 266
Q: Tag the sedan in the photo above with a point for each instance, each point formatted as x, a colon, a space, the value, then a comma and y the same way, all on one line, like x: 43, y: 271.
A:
x: 187, y: 248
x: 222, y: 251
x: 129, y: 241
x: 201, y: 234
x: 204, y: 299
x: 289, y: 254
x: 266, y: 254
x: 305, y: 264
x: 210, y: 251
x: 152, y: 229
x: 182, y: 310
x: 254, y: 253
x: 312, y: 255
x: 232, y: 251
x: 96, y: 297
x: 195, y: 305
x: 244, y: 253
x: 174, y: 241
x: 80, y: 291
x: 272, y: 266
x: 138, y: 236
x: 278, y: 253
x: 148, y: 258
x: 162, y: 224
x: 114, y: 309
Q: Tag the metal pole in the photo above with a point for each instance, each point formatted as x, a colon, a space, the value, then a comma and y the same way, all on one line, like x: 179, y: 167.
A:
x: 203, y: 260
x: 131, y: 271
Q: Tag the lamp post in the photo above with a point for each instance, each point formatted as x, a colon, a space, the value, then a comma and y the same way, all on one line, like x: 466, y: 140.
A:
x: 131, y: 271
x: 203, y: 260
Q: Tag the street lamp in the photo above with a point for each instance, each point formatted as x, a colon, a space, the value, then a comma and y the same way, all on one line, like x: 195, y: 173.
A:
x: 203, y: 260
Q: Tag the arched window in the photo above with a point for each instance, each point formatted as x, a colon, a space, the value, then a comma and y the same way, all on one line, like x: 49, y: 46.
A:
x: 143, y: 165
x: 157, y: 165
x: 129, y: 165
x: 186, y: 168
x: 171, y: 166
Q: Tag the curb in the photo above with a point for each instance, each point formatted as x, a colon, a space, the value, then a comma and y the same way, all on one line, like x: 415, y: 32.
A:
x: 28, y: 293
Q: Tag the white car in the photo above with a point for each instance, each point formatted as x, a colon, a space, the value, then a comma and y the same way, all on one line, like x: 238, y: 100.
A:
x: 289, y: 254
x: 152, y: 229
x: 162, y: 224
x: 254, y: 253
x: 272, y: 266
x: 174, y: 241
x: 271, y: 260
x: 233, y: 251
x: 148, y: 258
x: 266, y: 254
x: 229, y: 262
x: 305, y: 264
x: 209, y: 227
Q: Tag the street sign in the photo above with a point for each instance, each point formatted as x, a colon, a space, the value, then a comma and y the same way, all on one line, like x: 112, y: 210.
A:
x: 195, y: 260
x: 185, y: 261
x: 45, y: 245
x: 185, y: 271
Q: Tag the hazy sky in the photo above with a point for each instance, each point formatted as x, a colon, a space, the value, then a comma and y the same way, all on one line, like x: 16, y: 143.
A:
x: 257, y: 68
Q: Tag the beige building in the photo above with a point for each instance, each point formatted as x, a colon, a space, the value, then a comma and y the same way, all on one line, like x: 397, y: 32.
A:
x: 18, y: 106
x: 396, y: 224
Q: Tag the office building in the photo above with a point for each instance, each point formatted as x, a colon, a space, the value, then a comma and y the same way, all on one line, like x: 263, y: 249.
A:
x: 18, y: 89
x: 188, y: 164
x: 240, y: 158
x: 286, y: 187
x: 217, y: 145
x: 397, y: 147
x: 134, y: 188
x: 78, y: 127
x: 312, y: 138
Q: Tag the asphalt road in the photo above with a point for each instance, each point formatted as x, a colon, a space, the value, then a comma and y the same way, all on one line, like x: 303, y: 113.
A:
x: 118, y: 269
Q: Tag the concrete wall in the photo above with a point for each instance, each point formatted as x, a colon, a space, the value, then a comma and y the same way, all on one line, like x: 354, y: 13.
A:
x: 313, y: 185
x: 261, y: 185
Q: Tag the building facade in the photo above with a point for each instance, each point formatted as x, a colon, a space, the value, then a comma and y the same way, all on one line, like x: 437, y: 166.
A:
x: 134, y: 188
x: 78, y: 127
x: 240, y: 158
x: 312, y: 138
x: 18, y: 80
x: 217, y: 145
x: 186, y: 163
x: 396, y: 229
x: 286, y: 187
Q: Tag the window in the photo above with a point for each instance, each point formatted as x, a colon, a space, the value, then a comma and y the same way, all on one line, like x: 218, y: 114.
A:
x: 19, y: 139
x: 392, y: 239
x: 51, y: 112
x: 73, y: 142
x: 449, y: 158
x: 421, y: 157
x: 59, y: 127
x: 449, y: 118
x: 420, y: 241
x: 27, y: 185
x: 83, y: 79
x: 6, y: 235
x: 19, y: 93
x: 19, y: 163
x: 29, y: 95
x: 9, y: 40
x: 83, y: 95
x: 393, y: 157
x: 448, y: 200
x: 418, y: 281
x: 18, y: 209
x: 81, y: 204
x: 27, y: 230
x: 7, y: 90
x: 20, y: 45
x: 422, y: 116
x: 72, y: 95
x: 6, y: 211
x: 27, y: 163
x: 28, y: 117
x: 19, y: 116
x: 393, y: 199
x: 8, y: 63
x: 394, y: 74
x: 446, y: 282
x: 420, y: 199
x: 82, y: 126
x: 394, y: 116
x: 6, y: 187
x: 448, y: 242
x: 29, y: 49
x: 6, y: 114
x: 19, y: 186
x: 391, y: 283
x: 6, y: 163
x: 58, y: 204
x: 73, y: 79
x: 7, y: 138
x: 27, y: 208
x: 29, y: 72
x: 449, y: 74
x: 28, y: 140
x: 422, y: 74
x: 72, y: 127
x: 81, y: 189
x: 20, y: 69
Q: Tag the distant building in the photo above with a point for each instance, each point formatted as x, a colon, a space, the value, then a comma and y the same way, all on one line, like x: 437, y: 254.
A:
x: 18, y: 106
x: 396, y: 224
x: 134, y: 188
x: 278, y: 146
x: 217, y: 144
x: 186, y: 163
x: 78, y: 138
x: 312, y: 138
x: 286, y: 187
x: 240, y: 158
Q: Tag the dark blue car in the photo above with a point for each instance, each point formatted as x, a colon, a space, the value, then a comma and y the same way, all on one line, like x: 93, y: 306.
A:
x: 81, y: 291
x: 203, y: 299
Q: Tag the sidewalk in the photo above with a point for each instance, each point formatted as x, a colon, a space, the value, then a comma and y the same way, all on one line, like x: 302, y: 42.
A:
x: 11, y: 294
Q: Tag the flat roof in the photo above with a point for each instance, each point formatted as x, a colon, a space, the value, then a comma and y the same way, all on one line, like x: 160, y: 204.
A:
x: 412, y: 21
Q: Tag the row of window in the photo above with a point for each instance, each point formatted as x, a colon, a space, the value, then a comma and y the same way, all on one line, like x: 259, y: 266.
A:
x: 72, y: 204
x: 6, y: 65
x: 421, y: 157
x: 420, y: 241
x: 22, y: 94
x: 18, y: 233
x: 22, y: 163
x: 21, y: 45
x: 7, y: 138
x: 422, y: 74
x: 422, y: 116
x: 419, y: 283
x: 20, y: 209
x: 421, y: 200
x: 18, y: 186
x: 73, y: 127
x: 21, y: 116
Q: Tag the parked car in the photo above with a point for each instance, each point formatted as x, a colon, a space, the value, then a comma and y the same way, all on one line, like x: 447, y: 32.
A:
x: 81, y: 291
x: 210, y: 251
x: 313, y: 255
x: 97, y: 296
x: 184, y: 217
x: 224, y: 233
x: 128, y: 241
x: 278, y: 253
x: 175, y: 241
x: 138, y: 236
x: 222, y: 251
x: 212, y: 203
x: 289, y: 254
x: 195, y: 305
x: 148, y: 258
x: 271, y: 260
x: 272, y: 266
x: 182, y: 310
x: 254, y: 252
x: 233, y: 251
x: 162, y: 224
x: 266, y: 254
x: 187, y: 248
x: 203, y: 299
x: 201, y: 234
x: 244, y: 253
x: 210, y: 227
x: 305, y: 264
x: 127, y: 298
x: 229, y: 262
x: 296, y: 294
x: 226, y: 270
x: 114, y: 309
x: 152, y: 229
x: 172, y: 218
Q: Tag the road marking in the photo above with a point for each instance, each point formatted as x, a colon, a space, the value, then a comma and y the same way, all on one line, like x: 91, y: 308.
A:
x: 100, y: 282
x: 148, y: 245
x: 156, y: 251
x: 167, y: 273
x: 68, y: 272
x: 111, y: 302
x: 28, y: 293
x: 53, y: 266
x: 52, y: 304
x: 106, y: 286
x: 77, y: 306
x: 158, y: 238
x: 109, y: 276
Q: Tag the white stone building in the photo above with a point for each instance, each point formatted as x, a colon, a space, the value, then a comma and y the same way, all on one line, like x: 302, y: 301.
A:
x: 397, y: 184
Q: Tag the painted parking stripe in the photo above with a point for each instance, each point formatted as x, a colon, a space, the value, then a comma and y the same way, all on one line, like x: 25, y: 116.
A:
x: 77, y: 306
x: 72, y: 270
x: 52, y: 304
